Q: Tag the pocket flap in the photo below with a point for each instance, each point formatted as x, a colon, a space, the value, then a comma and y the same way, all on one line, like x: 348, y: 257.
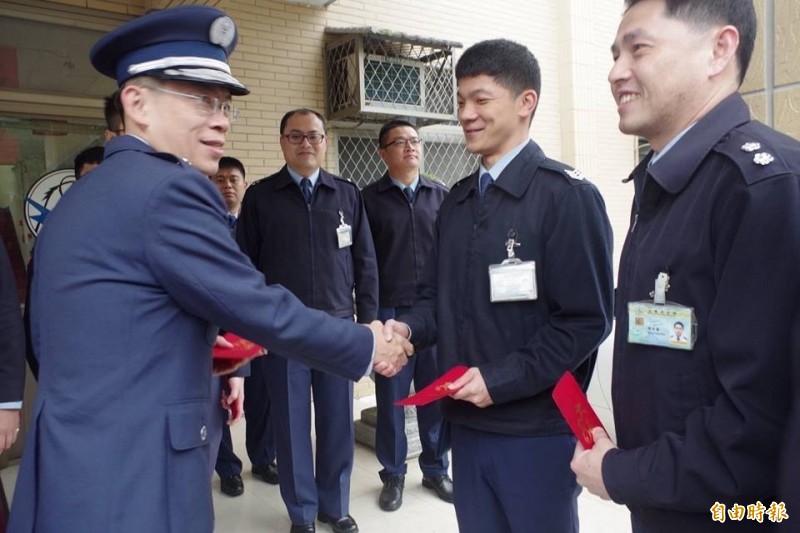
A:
x: 188, y: 425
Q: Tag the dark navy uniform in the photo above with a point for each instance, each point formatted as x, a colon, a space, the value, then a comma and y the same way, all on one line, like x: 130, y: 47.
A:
x: 521, y: 348
x: 403, y: 232
x: 789, y: 469
x: 12, y: 340
x: 720, y: 212
x: 295, y: 244
x: 225, y: 462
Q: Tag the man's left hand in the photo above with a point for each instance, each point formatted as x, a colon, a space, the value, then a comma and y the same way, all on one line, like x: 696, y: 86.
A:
x: 471, y: 388
x: 233, y: 398
x: 588, y: 464
x: 9, y: 428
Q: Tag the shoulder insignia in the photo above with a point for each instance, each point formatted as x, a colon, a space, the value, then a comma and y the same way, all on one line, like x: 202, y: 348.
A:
x: 763, y: 158
x: 751, y: 147
x: 574, y: 174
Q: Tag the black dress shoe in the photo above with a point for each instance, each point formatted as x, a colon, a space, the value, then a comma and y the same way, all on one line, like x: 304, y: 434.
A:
x: 267, y: 473
x: 442, y: 485
x: 231, y: 485
x: 391, y: 497
x: 345, y: 524
x: 303, y: 528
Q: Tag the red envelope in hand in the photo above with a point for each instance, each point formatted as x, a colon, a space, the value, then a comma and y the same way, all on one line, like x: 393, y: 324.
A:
x: 436, y: 390
x: 242, y: 348
x: 575, y: 409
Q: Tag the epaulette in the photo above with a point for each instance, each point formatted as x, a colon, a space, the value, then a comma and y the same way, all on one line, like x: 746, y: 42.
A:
x: 344, y: 180
x: 757, y: 151
x: 562, y: 169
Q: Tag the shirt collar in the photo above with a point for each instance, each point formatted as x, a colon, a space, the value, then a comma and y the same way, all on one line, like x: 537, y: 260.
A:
x: 397, y: 183
x: 297, y: 178
x: 659, y: 155
x: 503, y: 162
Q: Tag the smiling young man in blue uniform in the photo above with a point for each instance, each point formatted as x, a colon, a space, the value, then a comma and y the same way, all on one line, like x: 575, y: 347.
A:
x: 699, y: 425
x: 518, y: 326
x: 402, y: 207
x: 134, y: 272
x: 306, y: 229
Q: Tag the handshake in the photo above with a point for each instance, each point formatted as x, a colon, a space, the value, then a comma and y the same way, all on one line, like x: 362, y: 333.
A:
x: 391, y: 347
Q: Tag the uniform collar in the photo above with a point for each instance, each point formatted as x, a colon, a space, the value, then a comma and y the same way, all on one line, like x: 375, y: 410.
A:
x: 385, y: 183
x: 297, y: 177
x: 501, y: 164
x: 284, y: 178
x: 127, y: 142
x: 515, y: 177
x: 674, y: 170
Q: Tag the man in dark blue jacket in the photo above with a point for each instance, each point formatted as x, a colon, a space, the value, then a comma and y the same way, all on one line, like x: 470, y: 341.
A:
x: 402, y: 207
x: 716, y: 214
x: 519, y: 289
x: 12, y: 355
x: 306, y: 230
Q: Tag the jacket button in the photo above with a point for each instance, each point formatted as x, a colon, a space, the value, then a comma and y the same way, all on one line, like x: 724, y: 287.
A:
x: 203, y: 433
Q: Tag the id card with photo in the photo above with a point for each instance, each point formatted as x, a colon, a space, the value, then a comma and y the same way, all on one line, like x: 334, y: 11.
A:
x: 670, y: 325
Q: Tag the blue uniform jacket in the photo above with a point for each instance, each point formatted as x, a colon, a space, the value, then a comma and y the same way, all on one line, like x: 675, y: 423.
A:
x: 704, y: 426
x: 276, y: 223
x: 521, y: 348
x: 135, y: 265
x: 403, y: 234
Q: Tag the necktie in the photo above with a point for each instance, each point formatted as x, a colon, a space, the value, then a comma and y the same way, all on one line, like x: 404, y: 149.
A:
x: 232, y: 221
x: 486, y: 179
x: 409, y: 192
x: 305, y: 186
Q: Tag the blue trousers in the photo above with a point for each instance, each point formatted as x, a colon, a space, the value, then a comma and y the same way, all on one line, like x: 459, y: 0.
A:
x: 312, y: 483
x: 510, y: 484
x: 260, y: 428
x: 391, y: 445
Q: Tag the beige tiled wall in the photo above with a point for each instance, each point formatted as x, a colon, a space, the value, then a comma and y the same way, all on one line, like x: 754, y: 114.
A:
x: 787, y: 41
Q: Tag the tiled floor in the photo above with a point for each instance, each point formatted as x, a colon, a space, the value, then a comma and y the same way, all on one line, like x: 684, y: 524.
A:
x: 261, y: 510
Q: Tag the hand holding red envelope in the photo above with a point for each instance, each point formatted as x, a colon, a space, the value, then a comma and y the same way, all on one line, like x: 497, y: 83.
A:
x: 241, y: 349
x: 576, y: 410
x: 436, y: 390
x: 226, y: 360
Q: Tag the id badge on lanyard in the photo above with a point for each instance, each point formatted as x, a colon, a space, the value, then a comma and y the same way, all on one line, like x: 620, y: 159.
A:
x: 658, y: 322
x: 513, y: 280
x: 344, y: 233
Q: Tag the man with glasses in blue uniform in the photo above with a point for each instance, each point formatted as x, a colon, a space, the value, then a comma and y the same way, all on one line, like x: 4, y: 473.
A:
x: 133, y: 277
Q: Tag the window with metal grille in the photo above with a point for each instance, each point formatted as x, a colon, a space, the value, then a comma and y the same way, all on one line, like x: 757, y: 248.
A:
x: 392, y: 82
x: 445, y: 157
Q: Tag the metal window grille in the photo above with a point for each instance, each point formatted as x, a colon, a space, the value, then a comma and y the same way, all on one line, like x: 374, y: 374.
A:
x: 375, y: 75
x: 445, y: 157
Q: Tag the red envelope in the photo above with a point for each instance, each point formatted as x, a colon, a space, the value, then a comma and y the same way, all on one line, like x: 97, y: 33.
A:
x: 242, y: 348
x: 436, y: 390
x: 575, y: 409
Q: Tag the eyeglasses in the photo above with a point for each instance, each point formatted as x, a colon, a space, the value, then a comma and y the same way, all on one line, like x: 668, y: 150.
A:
x: 403, y: 142
x: 298, y: 138
x: 207, y: 105
x: 233, y: 179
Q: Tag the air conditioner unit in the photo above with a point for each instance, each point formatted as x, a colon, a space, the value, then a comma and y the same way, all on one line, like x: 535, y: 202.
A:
x: 374, y: 76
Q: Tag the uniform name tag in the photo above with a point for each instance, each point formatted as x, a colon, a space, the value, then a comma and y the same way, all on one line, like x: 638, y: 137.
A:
x: 344, y: 234
x: 512, y: 281
x: 668, y: 325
